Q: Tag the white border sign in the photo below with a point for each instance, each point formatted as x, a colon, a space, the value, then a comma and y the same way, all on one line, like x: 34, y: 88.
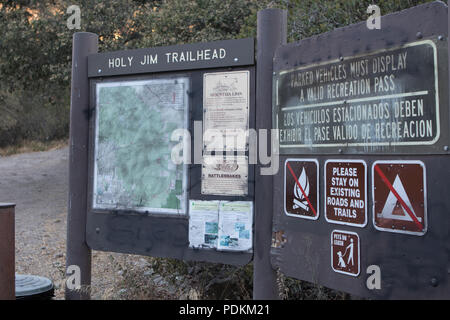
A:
x: 365, y: 192
x: 317, y: 189
x: 400, y: 193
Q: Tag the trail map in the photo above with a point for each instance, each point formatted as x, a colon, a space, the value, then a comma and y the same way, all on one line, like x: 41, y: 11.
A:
x: 133, y: 169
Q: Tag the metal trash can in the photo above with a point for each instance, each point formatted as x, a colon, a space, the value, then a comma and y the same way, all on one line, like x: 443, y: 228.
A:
x: 30, y: 287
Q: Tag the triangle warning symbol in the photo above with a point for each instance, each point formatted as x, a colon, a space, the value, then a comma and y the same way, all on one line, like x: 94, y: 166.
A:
x: 391, y: 210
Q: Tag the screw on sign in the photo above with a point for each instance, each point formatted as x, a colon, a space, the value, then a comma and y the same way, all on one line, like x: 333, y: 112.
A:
x: 346, y: 192
x: 345, y: 252
x: 399, y: 196
x: 301, y: 188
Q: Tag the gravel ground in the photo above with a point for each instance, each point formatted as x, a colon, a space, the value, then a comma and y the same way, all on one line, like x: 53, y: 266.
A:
x: 38, y: 184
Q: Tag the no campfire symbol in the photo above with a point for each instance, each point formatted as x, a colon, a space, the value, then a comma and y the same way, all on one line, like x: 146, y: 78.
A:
x: 301, y: 188
x: 345, y: 252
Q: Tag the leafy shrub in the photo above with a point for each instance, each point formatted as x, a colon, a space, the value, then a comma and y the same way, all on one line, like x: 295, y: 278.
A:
x: 32, y: 115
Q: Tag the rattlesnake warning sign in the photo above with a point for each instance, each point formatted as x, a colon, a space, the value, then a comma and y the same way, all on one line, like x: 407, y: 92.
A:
x: 301, y: 188
x: 399, y: 196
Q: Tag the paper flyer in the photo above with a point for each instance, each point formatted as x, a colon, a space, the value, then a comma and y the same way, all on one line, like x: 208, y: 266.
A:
x: 203, y: 223
x: 235, y: 225
x: 226, y: 102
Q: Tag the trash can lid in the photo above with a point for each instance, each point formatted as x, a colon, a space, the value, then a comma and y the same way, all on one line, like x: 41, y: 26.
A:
x: 28, y: 285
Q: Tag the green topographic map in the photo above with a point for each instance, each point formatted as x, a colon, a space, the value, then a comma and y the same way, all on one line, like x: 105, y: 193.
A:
x: 133, y: 167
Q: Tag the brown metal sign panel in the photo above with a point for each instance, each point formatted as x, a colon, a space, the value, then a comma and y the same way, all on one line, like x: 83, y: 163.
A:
x: 412, y: 267
x: 380, y: 96
x: 345, y: 252
x: 301, y: 188
x: 399, y: 196
x: 409, y: 266
x: 346, y: 192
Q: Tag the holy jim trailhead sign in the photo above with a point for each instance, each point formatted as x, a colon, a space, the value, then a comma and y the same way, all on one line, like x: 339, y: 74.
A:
x: 361, y: 197
x: 140, y: 186
x: 142, y: 200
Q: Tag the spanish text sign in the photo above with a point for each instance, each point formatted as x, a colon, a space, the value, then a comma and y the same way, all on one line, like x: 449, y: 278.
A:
x: 384, y: 98
x: 399, y: 196
x: 346, y: 192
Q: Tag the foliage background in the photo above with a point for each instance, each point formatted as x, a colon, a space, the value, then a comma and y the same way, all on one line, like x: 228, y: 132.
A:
x: 35, y: 65
x: 35, y: 43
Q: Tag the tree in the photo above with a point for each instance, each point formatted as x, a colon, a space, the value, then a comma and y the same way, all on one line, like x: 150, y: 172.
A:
x: 36, y: 44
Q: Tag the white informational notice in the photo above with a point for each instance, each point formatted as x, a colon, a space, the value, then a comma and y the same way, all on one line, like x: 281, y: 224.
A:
x: 235, y: 225
x: 225, y: 175
x: 226, y: 102
x: 203, y: 223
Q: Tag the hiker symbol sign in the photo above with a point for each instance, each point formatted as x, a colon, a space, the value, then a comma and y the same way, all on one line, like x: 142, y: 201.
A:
x: 301, y: 188
x: 399, y: 196
x: 345, y: 252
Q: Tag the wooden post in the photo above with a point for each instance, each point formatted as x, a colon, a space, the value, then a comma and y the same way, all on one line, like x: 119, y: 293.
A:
x: 271, y: 33
x: 78, y: 252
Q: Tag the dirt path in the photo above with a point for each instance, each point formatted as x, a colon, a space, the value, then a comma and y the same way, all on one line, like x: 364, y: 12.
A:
x: 38, y: 184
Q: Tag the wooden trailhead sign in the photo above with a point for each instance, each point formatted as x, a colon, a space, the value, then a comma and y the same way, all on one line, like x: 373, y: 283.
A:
x: 141, y: 201
x: 135, y: 185
x: 301, y: 188
x: 345, y: 252
x: 345, y: 192
x: 399, y: 193
x: 357, y: 194
x: 368, y: 110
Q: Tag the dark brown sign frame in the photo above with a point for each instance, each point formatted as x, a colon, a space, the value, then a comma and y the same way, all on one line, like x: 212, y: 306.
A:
x: 153, y: 233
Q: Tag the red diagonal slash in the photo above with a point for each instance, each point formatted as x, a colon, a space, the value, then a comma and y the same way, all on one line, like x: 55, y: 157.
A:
x: 301, y: 189
x: 389, y: 185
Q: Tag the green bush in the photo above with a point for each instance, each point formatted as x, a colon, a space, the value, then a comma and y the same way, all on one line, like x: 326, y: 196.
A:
x: 225, y: 282
x: 33, y: 115
x: 35, y: 47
